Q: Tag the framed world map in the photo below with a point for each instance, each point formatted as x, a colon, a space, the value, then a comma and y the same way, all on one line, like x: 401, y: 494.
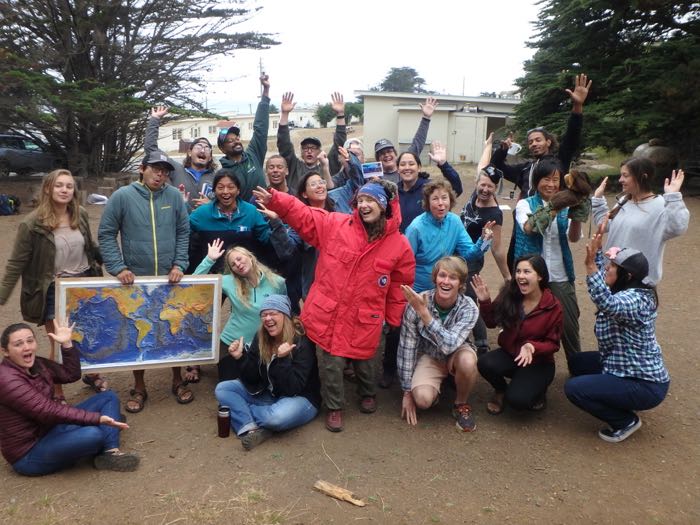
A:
x: 150, y: 324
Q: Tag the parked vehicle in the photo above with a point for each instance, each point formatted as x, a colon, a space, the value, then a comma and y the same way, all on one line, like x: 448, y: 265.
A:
x: 23, y: 155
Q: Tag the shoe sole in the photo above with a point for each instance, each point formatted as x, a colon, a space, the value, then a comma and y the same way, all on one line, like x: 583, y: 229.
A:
x: 627, y: 434
x: 125, y: 463
x: 334, y: 429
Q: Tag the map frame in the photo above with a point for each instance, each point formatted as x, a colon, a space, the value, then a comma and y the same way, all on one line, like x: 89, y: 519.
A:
x: 212, y: 357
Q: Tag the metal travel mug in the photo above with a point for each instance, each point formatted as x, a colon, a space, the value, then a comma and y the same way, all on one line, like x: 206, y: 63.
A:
x: 223, y: 420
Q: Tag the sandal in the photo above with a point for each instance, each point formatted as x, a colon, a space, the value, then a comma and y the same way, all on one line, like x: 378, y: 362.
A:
x: 96, y: 382
x: 137, y: 400
x: 494, y: 406
x: 183, y: 395
x: 192, y: 374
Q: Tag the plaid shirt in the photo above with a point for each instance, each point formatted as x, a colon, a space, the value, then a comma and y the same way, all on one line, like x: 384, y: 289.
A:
x: 626, y: 330
x: 437, y: 340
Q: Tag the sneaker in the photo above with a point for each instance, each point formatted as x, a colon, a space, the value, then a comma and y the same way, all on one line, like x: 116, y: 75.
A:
x: 117, y: 461
x: 334, y: 420
x: 615, y: 436
x: 368, y: 405
x: 252, y: 439
x: 465, y: 419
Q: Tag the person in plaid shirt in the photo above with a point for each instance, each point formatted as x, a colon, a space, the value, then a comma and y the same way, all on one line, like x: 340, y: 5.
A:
x: 433, y: 343
x: 628, y: 372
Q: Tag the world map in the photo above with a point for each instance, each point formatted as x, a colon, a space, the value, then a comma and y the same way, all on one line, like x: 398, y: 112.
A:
x: 148, y: 323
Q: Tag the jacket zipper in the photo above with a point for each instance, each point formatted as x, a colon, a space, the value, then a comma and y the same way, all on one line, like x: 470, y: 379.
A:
x: 155, y: 239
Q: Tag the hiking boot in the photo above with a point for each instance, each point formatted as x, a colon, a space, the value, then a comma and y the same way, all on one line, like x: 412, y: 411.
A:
x: 117, y: 461
x: 334, y: 420
x: 465, y: 419
x: 615, y: 436
x: 368, y: 405
x: 252, y: 439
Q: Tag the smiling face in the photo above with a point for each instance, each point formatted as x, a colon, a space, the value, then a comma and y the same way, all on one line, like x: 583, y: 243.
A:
x: 200, y: 155
x: 387, y: 157
x: 315, y: 191
x: 240, y: 263
x: 226, y: 193
x: 63, y: 190
x: 447, y: 286
x: 549, y: 185
x: 368, y: 209
x: 232, y: 146
x: 611, y: 274
x: 154, y: 175
x: 538, y: 144
x: 439, y: 203
x: 527, y: 279
x: 628, y: 182
x: 273, y: 321
x: 485, y: 189
x: 276, y: 171
x: 408, y: 169
x: 21, y: 348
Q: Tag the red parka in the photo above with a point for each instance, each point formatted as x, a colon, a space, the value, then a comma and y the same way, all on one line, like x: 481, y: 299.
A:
x: 542, y: 327
x: 357, y: 284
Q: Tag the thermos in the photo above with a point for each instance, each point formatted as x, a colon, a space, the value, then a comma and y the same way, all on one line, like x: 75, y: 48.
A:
x: 224, y: 421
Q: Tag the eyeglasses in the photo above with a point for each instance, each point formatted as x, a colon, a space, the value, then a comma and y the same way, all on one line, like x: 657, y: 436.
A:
x: 201, y: 145
x: 317, y: 183
x: 309, y: 148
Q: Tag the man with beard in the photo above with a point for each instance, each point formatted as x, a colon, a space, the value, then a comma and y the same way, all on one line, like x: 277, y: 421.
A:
x: 247, y: 163
x: 197, y: 169
x: 310, y: 146
x: 385, y: 152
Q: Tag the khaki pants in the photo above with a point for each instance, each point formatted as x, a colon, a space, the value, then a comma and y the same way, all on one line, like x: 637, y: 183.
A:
x: 333, y: 387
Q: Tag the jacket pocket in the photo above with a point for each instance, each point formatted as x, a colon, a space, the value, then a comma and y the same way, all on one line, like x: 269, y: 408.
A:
x: 368, y: 328
x: 318, y: 313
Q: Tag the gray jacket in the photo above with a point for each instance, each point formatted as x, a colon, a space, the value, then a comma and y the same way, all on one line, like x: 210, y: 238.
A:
x: 154, y: 230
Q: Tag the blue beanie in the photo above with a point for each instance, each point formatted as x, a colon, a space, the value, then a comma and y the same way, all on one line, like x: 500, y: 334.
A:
x: 277, y: 302
x: 376, y: 191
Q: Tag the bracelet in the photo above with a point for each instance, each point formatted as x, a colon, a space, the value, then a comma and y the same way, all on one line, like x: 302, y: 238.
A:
x: 340, y: 116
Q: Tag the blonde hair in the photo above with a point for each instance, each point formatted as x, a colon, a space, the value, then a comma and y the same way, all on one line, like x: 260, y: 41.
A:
x: 243, y: 284
x: 45, y: 211
x: 455, y: 265
x: 267, y: 345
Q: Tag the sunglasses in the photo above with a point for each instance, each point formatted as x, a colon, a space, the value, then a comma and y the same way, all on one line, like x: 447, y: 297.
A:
x: 541, y: 129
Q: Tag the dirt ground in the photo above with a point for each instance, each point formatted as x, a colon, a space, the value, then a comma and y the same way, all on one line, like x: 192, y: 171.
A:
x: 548, y: 467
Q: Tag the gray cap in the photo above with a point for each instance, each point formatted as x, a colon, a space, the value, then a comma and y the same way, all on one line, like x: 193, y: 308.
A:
x: 633, y: 261
x: 382, y: 144
x: 157, y: 157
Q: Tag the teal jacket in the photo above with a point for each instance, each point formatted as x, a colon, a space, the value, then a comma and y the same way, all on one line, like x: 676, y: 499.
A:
x: 154, y: 230
x: 249, y: 169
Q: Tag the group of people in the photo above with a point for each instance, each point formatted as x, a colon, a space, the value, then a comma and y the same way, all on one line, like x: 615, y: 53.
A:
x: 316, y: 257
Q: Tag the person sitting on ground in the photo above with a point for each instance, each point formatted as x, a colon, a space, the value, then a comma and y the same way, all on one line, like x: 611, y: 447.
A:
x: 246, y: 283
x: 39, y: 435
x: 363, y: 260
x: 53, y: 241
x: 627, y: 373
x: 310, y: 146
x: 279, y: 388
x: 433, y: 344
x: 531, y: 319
x: 385, y: 152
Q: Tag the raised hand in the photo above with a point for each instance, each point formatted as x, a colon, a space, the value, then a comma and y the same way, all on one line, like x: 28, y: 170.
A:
x: 581, y: 86
x: 507, y: 142
x: 262, y: 196
x: 487, y: 230
x: 285, y: 349
x: 675, y: 182
x: 337, y: 103
x: 343, y: 155
x: 288, y: 103
x: 489, y: 139
x: 592, y: 248
x: 62, y: 333
x: 265, y: 81
x: 159, y: 111
x: 428, y: 107
x: 600, y: 190
x: 215, y: 249
x: 524, y: 358
x: 322, y: 157
x: 438, y: 153
x: 480, y: 289
x: 271, y: 215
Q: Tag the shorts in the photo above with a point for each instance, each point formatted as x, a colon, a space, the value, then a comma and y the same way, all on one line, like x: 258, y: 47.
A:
x: 431, y: 372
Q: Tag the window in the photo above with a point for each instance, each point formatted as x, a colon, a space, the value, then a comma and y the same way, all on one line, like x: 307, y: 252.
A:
x: 194, y: 132
x: 274, y: 124
x: 213, y: 130
x: 250, y: 125
x: 177, y: 133
x: 30, y: 145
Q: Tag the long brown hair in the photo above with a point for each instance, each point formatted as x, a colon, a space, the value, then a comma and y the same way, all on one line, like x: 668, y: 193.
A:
x: 45, y: 212
x: 291, y: 328
x: 243, y: 284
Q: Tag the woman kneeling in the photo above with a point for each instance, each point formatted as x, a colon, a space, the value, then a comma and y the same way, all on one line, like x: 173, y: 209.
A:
x: 279, y: 388
x: 39, y: 435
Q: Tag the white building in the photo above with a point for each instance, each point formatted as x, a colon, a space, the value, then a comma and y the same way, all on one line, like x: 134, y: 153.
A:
x: 460, y: 123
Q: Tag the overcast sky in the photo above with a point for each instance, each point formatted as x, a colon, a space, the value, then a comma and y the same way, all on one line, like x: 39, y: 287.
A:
x: 458, y: 47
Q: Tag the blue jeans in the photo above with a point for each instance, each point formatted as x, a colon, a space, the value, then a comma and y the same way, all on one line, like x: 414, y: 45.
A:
x: 249, y: 412
x: 610, y: 398
x: 65, y: 444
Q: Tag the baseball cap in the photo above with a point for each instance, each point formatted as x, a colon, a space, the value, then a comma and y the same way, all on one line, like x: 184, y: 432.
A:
x: 233, y: 130
x: 311, y: 140
x: 157, y: 157
x: 631, y: 260
x: 382, y: 144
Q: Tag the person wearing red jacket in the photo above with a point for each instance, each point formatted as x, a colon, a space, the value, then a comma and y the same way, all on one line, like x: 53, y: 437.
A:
x: 532, y: 322
x: 39, y: 435
x: 363, y: 260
